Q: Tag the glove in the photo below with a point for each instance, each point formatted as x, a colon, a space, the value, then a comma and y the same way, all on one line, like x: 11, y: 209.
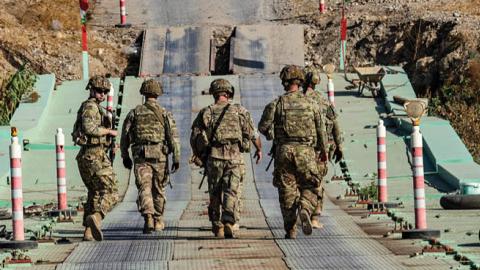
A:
x: 175, y: 167
x: 337, y: 155
x: 128, y: 163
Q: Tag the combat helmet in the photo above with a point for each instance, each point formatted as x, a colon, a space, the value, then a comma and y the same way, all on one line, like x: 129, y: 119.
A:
x: 292, y: 74
x: 312, y: 77
x: 98, y: 82
x: 221, y: 85
x: 151, y: 87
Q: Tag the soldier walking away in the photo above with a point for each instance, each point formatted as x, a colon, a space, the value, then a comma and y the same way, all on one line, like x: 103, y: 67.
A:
x: 151, y: 132
x: 334, y: 139
x: 295, y: 125
x: 220, y: 134
x: 90, y: 132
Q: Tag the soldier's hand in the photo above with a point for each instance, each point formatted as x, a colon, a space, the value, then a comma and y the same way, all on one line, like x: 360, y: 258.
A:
x: 258, y: 156
x: 175, y: 167
x: 128, y: 163
x: 113, y: 133
x: 337, y: 155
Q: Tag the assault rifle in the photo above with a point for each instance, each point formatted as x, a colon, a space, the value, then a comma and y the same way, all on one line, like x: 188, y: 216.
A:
x: 271, y: 154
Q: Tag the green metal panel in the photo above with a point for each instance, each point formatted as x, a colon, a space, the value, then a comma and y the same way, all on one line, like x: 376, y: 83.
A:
x: 456, y: 173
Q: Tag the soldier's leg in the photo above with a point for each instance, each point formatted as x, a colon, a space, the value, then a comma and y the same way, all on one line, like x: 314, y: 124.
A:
x: 143, y: 181
x: 230, y: 184
x: 88, y: 207
x: 158, y: 193
x: 215, y: 172
x: 240, y: 202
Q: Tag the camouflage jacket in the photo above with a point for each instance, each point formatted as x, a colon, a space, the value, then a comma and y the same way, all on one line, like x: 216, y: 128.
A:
x: 90, y: 124
x: 150, y: 137
x: 233, y: 136
x: 293, y: 118
x: 329, y: 115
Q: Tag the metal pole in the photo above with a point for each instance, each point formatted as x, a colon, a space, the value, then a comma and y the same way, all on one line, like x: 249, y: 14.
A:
x: 382, y: 162
x: 322, y: 6
x: 331, y: 91
x: 61, y: 172
x: 418, y: 179
x: 16, y: 186
x: 343, y: 38
x: 83, y: 18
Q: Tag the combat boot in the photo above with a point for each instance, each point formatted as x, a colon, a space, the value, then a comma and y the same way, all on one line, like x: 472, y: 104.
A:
x: 291, y: 234
x: 218, y: 231
x: 94, y: 222
x: 306, y: 223
x: 229, y: 231
x: 316, y: 222
x: 236, y: 227
x: 87, y: 235
x: 159, y: 225
x: 149, y: 226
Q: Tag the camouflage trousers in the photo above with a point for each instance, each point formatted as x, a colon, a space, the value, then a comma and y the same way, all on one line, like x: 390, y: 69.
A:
x: 151, y: 180
x: 224, y: 180
x: 98, y: 176
x: 297, y: 178
x: 323, y: 168
x: 239, y: 206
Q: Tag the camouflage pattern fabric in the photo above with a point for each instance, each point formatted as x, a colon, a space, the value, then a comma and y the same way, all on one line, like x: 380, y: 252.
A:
x: 93, y: 163
x: 151, y: 142
x: 151, y: 181
x: 224, y: 178
x: 296, y: 173
x: 225, y: 165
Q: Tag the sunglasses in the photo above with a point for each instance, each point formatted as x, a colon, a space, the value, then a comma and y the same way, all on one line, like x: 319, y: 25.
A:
x: 102, y: 91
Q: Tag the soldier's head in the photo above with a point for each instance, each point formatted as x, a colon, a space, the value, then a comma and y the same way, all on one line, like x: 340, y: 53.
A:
x: 221, y: 87
x: 312, y: 78
x: 151, y: 88
x: 292, y: 75
x: 99, y: 86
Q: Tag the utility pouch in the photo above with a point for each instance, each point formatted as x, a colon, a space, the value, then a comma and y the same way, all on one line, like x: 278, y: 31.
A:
x: 153, y: 151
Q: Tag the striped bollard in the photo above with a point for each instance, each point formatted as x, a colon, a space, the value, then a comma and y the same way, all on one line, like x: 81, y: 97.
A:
x: 420, y: 231
x: 123, y: 15
x: 322, y: 6
x: 382, y: 162
x: 110, y: 96
x: 17, y: 193
x: 61, y: 174
x: 418, y: 179
x: 83, y: 20
x: 18, y: 241
x: 331, y: 91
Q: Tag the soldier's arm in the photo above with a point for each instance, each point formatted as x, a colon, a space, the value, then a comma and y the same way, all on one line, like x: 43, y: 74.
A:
x: 252, y: 135
x: 125, y: 139
x: 91, y: 118
x: 265, y: 126
x: 320, y: 130
x: 174, y: 138
x: 337, y: 135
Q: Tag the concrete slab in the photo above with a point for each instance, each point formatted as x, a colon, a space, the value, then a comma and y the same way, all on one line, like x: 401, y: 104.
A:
x: 267, y: 48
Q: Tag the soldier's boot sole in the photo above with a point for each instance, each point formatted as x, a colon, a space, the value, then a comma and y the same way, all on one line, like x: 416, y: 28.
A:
x: 229, y: 231
x: 95, y: 226
x: 236, y: 227
x: 159, y: 226
x: 306, y: 222
x: 291, y: 234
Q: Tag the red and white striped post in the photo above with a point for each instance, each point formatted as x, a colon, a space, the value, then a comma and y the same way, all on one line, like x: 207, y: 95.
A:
x: 83, y: 19
x: 17, y: 193
x: 418, y: 179
x: 321, y: 6
x: 382, y: 162
x: 110, y: 96
x: 123, y: 15
x: 61, y: 174
x: 331, y: 91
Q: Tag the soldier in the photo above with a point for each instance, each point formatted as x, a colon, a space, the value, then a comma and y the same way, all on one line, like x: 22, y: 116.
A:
x: 152, y: 133
x: 220, y: 134
x: 295, y: 125
x: 90, y: 132
x: 334, y: 139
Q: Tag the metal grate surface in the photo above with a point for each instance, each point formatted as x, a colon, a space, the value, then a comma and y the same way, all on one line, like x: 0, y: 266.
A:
x: 147, y: 265
x: 343, y: 262
x: 267, y: 263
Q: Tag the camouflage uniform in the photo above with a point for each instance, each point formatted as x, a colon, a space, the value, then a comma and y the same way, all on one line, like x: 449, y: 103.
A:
x: 295, y: 124
x: 151, y: 140
x: 224, y: 164
x: 334, y: 138
x: 93, y: 162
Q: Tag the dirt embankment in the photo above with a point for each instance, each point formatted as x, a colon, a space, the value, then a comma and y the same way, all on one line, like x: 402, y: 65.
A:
x: 436, y: 42
x: 46, y: 35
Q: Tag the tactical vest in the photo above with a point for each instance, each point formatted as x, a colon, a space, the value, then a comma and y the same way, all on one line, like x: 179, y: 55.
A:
x: 229, y: 130
x: 295, y: 119
x: 78, y: 135
x: 148, y: 128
